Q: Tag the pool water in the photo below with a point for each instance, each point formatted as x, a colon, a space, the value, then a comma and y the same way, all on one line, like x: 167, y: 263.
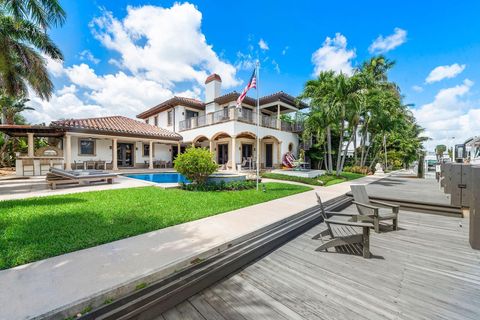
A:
x: 172, y: 177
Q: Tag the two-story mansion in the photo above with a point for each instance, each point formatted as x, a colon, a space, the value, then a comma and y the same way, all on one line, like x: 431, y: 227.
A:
x: 118, y: 142
x: 230, y: 132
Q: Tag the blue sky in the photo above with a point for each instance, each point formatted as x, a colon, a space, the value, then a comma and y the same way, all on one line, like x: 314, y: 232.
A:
x: 124, y: 56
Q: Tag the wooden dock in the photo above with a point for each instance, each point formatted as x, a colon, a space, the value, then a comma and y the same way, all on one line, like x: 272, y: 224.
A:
x: 426, y: 270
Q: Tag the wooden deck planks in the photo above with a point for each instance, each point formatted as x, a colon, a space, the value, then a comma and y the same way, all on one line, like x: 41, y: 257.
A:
x: 426, y: 270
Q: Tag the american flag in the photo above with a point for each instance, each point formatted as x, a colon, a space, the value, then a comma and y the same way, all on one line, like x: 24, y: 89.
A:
x: 251, y: 84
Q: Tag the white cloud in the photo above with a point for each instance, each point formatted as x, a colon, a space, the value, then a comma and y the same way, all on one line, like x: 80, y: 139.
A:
x: 163, y: 44
x: 263, y: 45
x: 385, y: 44
x: 284, y: 51
x: 450, y: 114
x: 417, y: 88
x: 158, y: 49
x: 86, y: 55
x: 445, y: 72
x: 276, y: 66
x: 245, y: 61
x: 334, y: 55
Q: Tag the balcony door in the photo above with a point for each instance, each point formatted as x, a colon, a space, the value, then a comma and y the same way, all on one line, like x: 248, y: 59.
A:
x: 222, y: 153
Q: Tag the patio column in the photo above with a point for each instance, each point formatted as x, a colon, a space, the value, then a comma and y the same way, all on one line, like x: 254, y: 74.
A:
x: 31, y: 152
x: 279, y: 122
x: 114, y: 154
x: 211, y: 145
x: 68, y: 152
x: 279, y: 154
x: 234, y: 149
x: 179, y: 145
x: 150, y: 155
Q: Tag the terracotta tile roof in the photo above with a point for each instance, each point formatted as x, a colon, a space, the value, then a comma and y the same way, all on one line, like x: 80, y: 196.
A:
x: 284, y: 97
x: 119, y: 125
x: 278, y: 96
x: 233, y: 96
x: 175, y: 101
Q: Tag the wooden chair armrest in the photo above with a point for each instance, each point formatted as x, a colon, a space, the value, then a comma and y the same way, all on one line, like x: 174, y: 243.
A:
x: 364, y: 205
x: 375, y: 209
x: 386, y: 204
x: 350, y: 223
x: 341, y: 214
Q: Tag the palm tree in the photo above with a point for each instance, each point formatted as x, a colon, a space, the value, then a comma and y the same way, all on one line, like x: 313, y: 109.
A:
x: 22, y: 44
x: 319, y: 92
x: 45, y: 13
x: 11, y: 107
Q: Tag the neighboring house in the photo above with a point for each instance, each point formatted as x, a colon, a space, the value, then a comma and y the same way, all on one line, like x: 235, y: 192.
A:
x: 119, y: 142
x: 229, y: 132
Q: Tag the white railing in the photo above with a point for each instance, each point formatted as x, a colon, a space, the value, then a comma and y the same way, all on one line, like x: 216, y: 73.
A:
x: 243, y: 115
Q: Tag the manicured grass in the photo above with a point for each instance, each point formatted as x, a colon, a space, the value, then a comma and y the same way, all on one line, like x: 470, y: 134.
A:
x: 324, y: 180
x: 37, y: 228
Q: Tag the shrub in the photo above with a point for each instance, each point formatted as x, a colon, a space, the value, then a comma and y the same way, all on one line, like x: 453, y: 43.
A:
x: 195, y: 164
x: 222, y: 186
x: 357, y: 169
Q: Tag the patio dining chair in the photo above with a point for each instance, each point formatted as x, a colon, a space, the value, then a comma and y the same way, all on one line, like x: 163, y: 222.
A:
x: 78, y: 165
x: 343, y: 233
x: 90, y: 165
x: 101, y: 165
x: 369, y: 212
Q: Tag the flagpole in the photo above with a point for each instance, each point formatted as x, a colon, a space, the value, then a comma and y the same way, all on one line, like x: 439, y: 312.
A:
x: 258, y: 121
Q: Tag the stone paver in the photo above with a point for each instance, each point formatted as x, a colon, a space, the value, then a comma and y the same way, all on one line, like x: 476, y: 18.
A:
x: 115, y: 268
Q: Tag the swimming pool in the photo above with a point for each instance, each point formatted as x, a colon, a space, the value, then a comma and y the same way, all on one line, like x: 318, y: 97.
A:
x: 167, y: 177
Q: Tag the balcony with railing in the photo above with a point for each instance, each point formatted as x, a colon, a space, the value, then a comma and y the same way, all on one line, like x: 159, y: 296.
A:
x: 243, y: 115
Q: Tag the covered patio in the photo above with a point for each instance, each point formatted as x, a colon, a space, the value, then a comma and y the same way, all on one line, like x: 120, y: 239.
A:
x: 242, y: 148
x: 108, y: 143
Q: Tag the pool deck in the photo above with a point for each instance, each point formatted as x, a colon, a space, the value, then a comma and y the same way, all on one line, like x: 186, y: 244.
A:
x: 73, y: 281
x: 11, y: 189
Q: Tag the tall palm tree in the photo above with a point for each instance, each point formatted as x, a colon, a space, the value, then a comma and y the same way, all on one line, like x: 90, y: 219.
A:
x: 24, y: 44
x: 45, y: 13
x: 320, y: 93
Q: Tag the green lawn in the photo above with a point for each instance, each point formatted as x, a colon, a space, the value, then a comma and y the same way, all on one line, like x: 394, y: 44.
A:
x: 37, y: 228
x: 324, y: 180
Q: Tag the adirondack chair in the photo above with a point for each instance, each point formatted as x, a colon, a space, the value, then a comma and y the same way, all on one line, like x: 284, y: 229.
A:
x: 345, y: 237
x: 370, y: 213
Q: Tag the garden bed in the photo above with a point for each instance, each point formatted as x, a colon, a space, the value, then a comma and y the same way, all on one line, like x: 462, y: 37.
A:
x: 323, y: 180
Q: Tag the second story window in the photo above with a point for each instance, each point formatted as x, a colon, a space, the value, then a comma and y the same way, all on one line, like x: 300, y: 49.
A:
x: 155, y: 121
x: 170, y: 117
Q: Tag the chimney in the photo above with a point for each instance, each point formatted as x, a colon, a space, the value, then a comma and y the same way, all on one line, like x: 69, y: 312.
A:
x: 213, y: 87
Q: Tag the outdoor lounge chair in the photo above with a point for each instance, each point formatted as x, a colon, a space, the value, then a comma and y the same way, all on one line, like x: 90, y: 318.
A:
x: 59, y: 177
x: 344, y: 234
x: 370, y: 213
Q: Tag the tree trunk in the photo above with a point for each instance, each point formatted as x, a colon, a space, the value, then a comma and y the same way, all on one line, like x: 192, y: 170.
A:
x: 325, y: 157
x: 355, y: 145
x: 329, y: 150
x: 340, y: 143
x: 345, y: 152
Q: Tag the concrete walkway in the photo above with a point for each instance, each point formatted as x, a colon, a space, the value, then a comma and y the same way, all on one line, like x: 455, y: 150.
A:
x: 89, y: 277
